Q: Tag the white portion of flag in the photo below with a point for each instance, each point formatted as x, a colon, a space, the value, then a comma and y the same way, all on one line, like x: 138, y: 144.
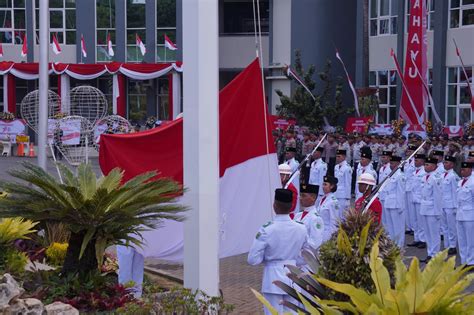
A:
x: 110, y: 49
x: 83, y: 47
x: 140, y: 45
x: 24, y: 48
x: 169, y: 44
x: 55, y: 45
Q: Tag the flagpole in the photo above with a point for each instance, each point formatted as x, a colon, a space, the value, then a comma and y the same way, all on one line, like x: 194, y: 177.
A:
x: 43, y: 82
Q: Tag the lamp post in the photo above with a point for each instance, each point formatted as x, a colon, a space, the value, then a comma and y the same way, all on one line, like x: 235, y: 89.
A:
x: 43, y: 82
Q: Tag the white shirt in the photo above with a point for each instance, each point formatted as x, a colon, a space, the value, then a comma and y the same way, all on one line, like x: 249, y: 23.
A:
x: 384, y: 171
x: 449, y: 185
x: 316, y: 174
x: 328, y: 209
x: 465, y: 196
x: 343, y: 173
x: 395, y: 191
x: 431, y: 195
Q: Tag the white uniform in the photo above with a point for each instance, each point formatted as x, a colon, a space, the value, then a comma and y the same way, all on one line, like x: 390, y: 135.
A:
x: 361, y: 170
x: 466, y: 149
x: 394, y: 207
x: 410, y: 215
x: 343, y: 173
x: 356, y: 151
x: 318, y: 170
x: 328, y: 209
x: 346, y: 146
x: 431, y: 209
x: 449, y: 186
x: 273, y: 247
x: 384, y: 171
x: 293, y: 163
x: 314, y: 226
x: 440, y: 169
x: 465, y: 219
x: 414, y: 182
x: 375, y: 148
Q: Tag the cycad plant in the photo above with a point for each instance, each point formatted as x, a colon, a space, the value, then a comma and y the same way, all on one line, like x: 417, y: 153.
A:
x: 98, y: 212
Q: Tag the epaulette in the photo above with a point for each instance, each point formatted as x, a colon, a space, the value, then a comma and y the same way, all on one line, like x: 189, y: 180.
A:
x: 267, y: 224
x: 299, y: 222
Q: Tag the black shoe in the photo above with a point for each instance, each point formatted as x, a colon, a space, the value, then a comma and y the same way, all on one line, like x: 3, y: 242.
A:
x: 442, y: 238
x: 452, y: 251
x: 414, y: 244
x: 422, y: 245
x: 408, y: 232
x: 426, y: 260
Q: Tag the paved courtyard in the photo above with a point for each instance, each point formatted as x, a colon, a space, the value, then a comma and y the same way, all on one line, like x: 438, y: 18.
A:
x: 236, y: 276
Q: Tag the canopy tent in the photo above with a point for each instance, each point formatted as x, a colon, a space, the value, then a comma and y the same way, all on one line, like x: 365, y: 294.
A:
x: 119, y: 71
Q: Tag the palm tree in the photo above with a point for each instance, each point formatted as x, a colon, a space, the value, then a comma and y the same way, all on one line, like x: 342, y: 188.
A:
x: 98, y: 212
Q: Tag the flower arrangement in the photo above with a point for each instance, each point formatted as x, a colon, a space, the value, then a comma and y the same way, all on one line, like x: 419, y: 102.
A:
x: 397, y: 126
x: 59, y: 115
x: 110, y: 263
x: 428, y: 126
x: 7, y: 116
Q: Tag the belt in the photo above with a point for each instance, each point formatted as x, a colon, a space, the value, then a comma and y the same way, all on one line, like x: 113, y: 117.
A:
x: 280, y: 262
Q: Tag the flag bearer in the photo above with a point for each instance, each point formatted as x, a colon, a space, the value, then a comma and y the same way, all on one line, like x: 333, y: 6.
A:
x: 449, y: 187
x: 465, y: 214
x: 343, y: 173
x: 273, y: 247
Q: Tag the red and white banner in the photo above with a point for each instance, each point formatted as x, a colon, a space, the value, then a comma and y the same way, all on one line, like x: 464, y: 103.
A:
x: 169, y: 44
x: 357, y: 124
x: 453, y: 131
x: 71, y: 131
x: 55, y: 46
x: 83, y: 47
x: 9, y: 129
x: 1, y: 50
x: 414, y: 112
x: 281, y: 123
x: 382, y: 129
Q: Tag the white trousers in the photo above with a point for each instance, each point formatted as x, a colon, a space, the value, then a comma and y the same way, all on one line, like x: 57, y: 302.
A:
x: 344, y: 204
x: 275, y: 300
x: 433, y: 236
x: 131, y: 268
x: 396, y: 225
x: 420, y: 228
x: 466, y: 241
x: 449, y: 228
x: 410, y: 213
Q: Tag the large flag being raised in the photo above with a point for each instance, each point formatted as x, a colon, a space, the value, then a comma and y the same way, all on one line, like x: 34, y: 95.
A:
x: 416, y: 52
x: 247, y: 160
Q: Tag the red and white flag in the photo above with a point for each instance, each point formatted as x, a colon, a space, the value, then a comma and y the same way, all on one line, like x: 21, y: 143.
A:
x: 1, y: 49
x: 55, y: 45
x: 110, y: 49
x: 468, y: 78
x: 140, y: 44
x: 351, y: 85
x: 247, y: 167
x: 169, y: 44
x: 413, y: 110
x: 83, y: 47
x: 24, y: 48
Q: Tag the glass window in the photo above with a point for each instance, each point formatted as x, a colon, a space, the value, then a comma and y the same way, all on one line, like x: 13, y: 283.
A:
x: 105, y: 19
x: 13, y: 22
x: 458, y: 98
x: 163, y: 98
x: 136, y: 101
x: 62, y: 21
x: 136, y: 25
x: 386, y: 82
x: 383, y: 17
x: 461, y: 13
x: 238, y: 17
x: 165, y: 25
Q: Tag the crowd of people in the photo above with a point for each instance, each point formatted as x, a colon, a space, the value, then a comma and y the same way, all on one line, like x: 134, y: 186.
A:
x: 430, y: 196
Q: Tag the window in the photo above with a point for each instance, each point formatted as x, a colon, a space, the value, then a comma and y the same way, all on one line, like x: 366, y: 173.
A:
x: 383, y: 17
x: 62, y: 21
x: 165, y: 25
x: 137, y: 101
x: 386, y: 82
x: 104, y: 84
x: 458, y: 111
x: 163, y: 98
x: 238, y: 17
x: 430, y: 10
x: 461, y: 13
x: 136, y: 24
x: 12, y: 17
x: 105, y: 15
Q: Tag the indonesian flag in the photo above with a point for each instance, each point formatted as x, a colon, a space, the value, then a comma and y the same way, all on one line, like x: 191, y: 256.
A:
x: 140, y: 44
x: 453, y: 131
x: 468, y: 81
x: 1, y: 50
x: 83, y: 47
x: 110, y: 49
x: 55, y: 45
x: 169, y: 44
x: 248, y: 172
x: 351, y: 85
x: 24, y: 48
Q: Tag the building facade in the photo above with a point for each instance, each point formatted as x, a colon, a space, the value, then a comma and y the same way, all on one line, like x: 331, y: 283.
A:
x: 315, y: 27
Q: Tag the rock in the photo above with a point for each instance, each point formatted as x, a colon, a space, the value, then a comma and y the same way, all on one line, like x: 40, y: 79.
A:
x: 24, y: 306
x: 58, y: 308
x: 9, y: 289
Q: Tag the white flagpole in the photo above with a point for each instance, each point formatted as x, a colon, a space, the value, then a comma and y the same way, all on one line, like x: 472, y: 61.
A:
x: 43, y: 82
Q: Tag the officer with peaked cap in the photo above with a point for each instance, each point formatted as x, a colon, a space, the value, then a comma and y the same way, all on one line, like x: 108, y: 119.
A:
x: 431, y: 207
x: 449, y: 186
x: 273, y: 247
x: 343, y: 173
x: 438, y: 154
x: 465, y: 214
x: 318, y: 170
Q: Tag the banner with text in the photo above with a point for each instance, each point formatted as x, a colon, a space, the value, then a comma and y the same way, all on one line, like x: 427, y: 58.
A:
x: 357, y: 124
x: 9, y: 129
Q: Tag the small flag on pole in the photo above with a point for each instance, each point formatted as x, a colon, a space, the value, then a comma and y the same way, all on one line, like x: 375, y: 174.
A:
x: 351, y: 85
x: 140, y: 44
x: 169, y: 44
x: 469, y: 87
x: 83, y: 47
x: 110, y: 49
x: 55, y: 45
x: 1, y: 50
x: 24, y: 48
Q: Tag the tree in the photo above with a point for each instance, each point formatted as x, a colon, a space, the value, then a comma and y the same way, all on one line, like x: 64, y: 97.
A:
x: 98, y: 212
x: 306, y: 110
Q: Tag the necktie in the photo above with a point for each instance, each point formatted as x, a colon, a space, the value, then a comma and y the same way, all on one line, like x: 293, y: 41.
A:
x: 417, y: 171
x: 322, y: 201
x: 292, y: 215
x: 427, y: 176
x: 464, y: 181
x: 445, y: 174
x: 304, y: 214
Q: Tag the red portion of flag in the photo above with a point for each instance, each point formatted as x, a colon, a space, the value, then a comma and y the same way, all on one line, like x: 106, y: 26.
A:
x: 83, y: 47
x: 417, y: 51
x: 169, y: 44
x: 242, y: 134
x: 1, y: 50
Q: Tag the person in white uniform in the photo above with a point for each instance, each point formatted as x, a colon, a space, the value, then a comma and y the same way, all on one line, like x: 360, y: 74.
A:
x: 273, y: 247
x: 465, y: 214
x: 310, y: 216
x: 394, y: 209
x: 291, y: 161
x: 413, y: 184
x: 439, y: 155
x: 449, y: 187
x: 384, y: 171
x: 431, y: 207
x: 328, y: 207
x: 318, y: 170
x: 343, y: 173
x: 365, y: 166
x: 408, y: 169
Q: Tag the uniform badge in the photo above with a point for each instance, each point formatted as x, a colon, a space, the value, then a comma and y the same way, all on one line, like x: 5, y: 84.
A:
x: 318, y: 226
x: 258, y: 235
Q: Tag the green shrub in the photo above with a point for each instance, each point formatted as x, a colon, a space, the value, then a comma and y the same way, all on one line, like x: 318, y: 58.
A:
x: 56, y: 253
